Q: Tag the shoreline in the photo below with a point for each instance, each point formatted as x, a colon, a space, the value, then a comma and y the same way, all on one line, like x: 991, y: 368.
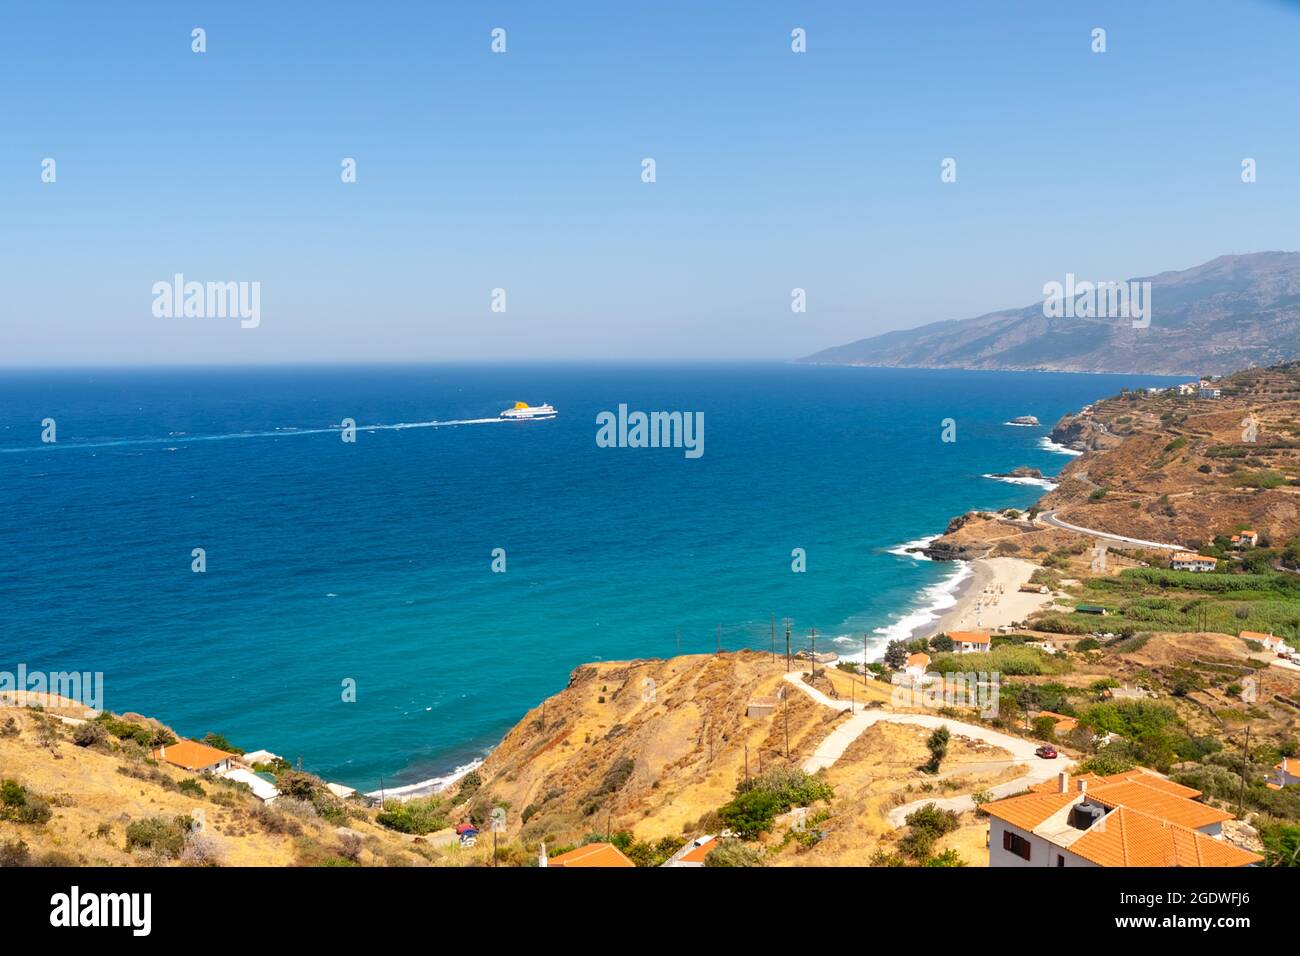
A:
x: 968, y: 599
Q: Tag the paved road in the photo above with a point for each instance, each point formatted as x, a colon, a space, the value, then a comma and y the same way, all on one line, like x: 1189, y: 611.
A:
x: 838, y: 741
x: 1049, y: 517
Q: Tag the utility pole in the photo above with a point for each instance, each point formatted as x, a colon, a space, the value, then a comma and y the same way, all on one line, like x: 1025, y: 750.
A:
x: 773, y: 637
x: 381, y: 793
x: 787, y: 650
x: 813, y: 632
x: 746, y: 764
x: 1245, y: 762
x: 786, y: 708
x: 719, y: 637
x: 543, y: 716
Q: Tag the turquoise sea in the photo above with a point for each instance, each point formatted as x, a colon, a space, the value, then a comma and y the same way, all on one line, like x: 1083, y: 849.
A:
x: 328, y: 561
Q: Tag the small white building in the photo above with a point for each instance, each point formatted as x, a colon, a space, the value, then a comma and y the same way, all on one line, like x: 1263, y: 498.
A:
x: 916, y: 665
x: 1271, y: 643
x: 1245, y: 539
x: 264, y: 790
x: 968, y: 642
x: 259, y: 756
x: 1188, y: 561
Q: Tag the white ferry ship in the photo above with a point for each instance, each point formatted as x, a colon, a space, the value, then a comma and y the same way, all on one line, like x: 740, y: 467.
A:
x: 523, y: 412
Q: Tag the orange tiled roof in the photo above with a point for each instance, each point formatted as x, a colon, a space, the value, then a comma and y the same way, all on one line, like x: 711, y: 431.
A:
x: 1050, y: 786
x: 190, y: 754
x: 699, y: 853
x: 1153, y: 780
x: 1138, y: 796
x: 1063, y: 723
x: 1255, y: 636
x: 593, y: 854
x: 1128, y: 837
x: 969, y: 637
x: 918, y: 660
x: 1029, y: 809
x: 1137, y: 773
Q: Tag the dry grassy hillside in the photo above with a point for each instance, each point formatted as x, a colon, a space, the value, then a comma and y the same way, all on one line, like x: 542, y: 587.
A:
x: 65, y: 804
x: 1180, y: 468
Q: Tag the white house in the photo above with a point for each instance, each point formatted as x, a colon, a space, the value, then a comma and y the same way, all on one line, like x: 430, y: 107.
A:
x: 1189, y: 388
x: 1245, y: 539
x: 1130, y: 819
x: 264, y: 790
x: 966, y: 642
x: 1187, y: 561
x: 916, y: 665
x: 1274, y: 644
x: 195, y: 757
x: 1209, y: 391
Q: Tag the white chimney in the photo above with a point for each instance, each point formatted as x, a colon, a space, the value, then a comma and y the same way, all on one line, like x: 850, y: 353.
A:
x: 541, y: 857
x: 1083, y: 786
x: 1063, y: 782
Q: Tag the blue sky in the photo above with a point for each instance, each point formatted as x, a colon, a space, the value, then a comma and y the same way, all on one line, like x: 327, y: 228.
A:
x: 522, y: 170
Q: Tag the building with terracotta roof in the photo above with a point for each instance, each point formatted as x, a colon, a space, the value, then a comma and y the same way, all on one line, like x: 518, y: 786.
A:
x: 195, y: 757
x: 1246, y: 539
x: 593, y: 854
x: 1274, y: 644
x: 693, y: 853
x: 1064, y: 724
x: 916, y: 665
x: 1187, y: 561
x: 966, y: 642
x: 1137, y: 818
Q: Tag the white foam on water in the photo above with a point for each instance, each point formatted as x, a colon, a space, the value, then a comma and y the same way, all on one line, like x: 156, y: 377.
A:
x: 1057, y: 447
x: 428, y: 787
x: 902, y: 549
x: 931, y: 603
x: 1024, y: 480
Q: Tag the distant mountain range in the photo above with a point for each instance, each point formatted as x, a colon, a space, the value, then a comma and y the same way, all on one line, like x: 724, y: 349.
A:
x: 1230, y: 313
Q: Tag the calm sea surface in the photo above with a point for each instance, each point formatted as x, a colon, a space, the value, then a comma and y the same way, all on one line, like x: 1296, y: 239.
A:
x: 371, y: 561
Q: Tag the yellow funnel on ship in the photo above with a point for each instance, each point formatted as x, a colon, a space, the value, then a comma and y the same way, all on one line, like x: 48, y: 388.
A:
x: 521, y: 404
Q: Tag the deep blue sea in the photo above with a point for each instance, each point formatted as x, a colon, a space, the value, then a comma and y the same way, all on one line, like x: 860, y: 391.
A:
x: 372, y: 561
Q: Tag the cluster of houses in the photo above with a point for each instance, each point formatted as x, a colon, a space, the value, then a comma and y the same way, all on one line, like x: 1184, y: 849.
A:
x: 198, y: 758
x: 1203, y: 388
x: 1133, y: 819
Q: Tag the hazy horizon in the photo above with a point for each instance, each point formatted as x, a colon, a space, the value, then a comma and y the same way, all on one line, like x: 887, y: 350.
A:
x: 522, y: 171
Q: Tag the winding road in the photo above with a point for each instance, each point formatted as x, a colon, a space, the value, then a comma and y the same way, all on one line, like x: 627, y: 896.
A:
x: 839, y: 739
x: 1049, y: 518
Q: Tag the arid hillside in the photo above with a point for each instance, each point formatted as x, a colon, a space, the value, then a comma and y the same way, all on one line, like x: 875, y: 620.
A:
x: 1182, y: 468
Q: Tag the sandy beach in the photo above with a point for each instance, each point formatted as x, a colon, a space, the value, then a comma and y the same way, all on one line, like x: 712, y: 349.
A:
x: 990, y: 598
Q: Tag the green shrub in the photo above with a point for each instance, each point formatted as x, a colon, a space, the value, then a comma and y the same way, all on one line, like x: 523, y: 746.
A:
x: 420, y: 815
x: 88, y: 734
x: 20, y: 805
x: 164, y: 837
x: 733, y: 853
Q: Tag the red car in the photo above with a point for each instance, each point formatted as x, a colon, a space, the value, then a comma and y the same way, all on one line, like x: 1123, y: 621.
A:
x: 1047, y: 752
